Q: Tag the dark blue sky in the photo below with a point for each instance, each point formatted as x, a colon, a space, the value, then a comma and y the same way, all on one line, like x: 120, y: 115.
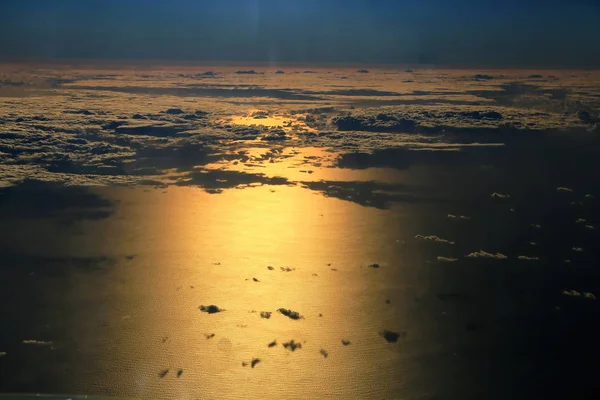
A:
x: 459, y: 32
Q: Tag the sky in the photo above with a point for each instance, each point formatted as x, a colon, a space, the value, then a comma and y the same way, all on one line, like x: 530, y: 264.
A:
x: 444, y: 32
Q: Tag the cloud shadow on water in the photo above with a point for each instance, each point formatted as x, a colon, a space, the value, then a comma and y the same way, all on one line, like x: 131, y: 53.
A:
x: 38, y: 199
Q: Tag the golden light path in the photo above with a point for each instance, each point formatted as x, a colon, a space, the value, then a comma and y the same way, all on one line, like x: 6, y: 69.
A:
x: 200, y: 248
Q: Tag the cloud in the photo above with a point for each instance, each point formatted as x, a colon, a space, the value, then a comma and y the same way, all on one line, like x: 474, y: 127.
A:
x: 290, y: 314
x: 496, y: 195
x: 463, y: 217
x: 527, y: 258
x: 433, y: 238
x: 211, y: 309
x: 578, y: 249
x: 38, y: 342
x: 221, y: 179
x: 367, y: 193
x: 446, y: 259
x: 292, y: 345
x: 248, y: 72
x: 485, y: 254
x: 575, y: 293
x: 381, y: 123
x: 564, y: 189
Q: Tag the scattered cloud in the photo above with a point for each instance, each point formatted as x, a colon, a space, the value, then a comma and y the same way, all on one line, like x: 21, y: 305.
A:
x: 496, y: 195
x: 564, y: 189
x: 433, y: 238
x: 446, y: 259
x: 290, y: 314
x: 527, y: 258
x: 485, y: 254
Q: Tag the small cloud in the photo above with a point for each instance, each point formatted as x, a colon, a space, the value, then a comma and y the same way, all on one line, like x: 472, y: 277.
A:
x: 265, y: 314
x: 290, y: 314
x: 38, y: 342
x: 291, y: 345
x: 174, y: 111
x: 163, y: 373
x: 536, y: 226
x: 564, y: 189
x: 578, y: 249
x: 211, y: 309
x: 446, y: 259
x: 485, y: 254
x: 433, y: 238
x: 590, y: 226
x: 590, y: 196
x: 533, y: 243
x: 463, y: 217
x: 248, y: 72
x: 392, y: 337
x: 496, y: 195
x: 575, y: 293
x: 2, y: 354
x: 527, y: 258
x: 567, y: 261
x: 580, y: 221
x: 572, y: 293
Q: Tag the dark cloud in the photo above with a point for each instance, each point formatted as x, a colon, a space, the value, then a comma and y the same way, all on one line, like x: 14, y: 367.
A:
x: 216, y: 180
x: 248, y: 72
x: 369, y: 193
x: 290, y: 314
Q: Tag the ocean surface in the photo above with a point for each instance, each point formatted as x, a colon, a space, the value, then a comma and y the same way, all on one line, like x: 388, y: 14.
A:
x: 296, y: 268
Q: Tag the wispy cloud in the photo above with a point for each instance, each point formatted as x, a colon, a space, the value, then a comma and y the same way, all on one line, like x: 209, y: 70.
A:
x: 433, y: 238
x: 485, y: 254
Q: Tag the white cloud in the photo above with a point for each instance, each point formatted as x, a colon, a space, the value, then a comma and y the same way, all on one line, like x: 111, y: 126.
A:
x: 497, y: 195
x: 575, y: 293
x: 433, y: 238
x: 38, y: 342
x: 446, y: 259
x: 485, y: 254
x: 564, y: 189
x: 580, y: 221
x: 578, y: 249
x: 590, y: 226
x: 463, y: 217
x: 590, y: 196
